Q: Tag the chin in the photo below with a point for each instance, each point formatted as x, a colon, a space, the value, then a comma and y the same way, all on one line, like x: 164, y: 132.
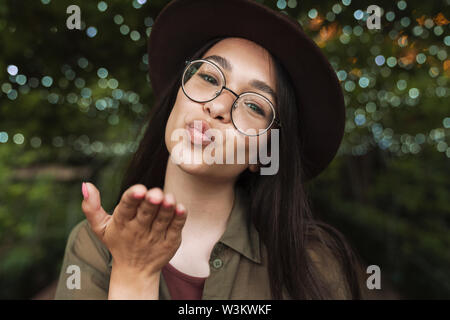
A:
x: 217, y: 172
x: 197, y: 169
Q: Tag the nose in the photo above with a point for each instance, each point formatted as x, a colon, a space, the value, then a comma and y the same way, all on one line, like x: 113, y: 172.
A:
x: 220, y: 107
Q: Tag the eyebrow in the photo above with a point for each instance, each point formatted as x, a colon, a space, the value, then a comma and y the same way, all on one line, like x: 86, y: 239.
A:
x: 257, y: 84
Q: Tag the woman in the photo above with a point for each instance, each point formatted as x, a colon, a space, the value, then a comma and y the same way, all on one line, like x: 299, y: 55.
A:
x: 186, y: 230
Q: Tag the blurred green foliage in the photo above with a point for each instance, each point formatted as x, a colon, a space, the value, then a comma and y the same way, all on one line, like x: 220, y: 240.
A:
x: 73, y: 110
x: 396, y: 212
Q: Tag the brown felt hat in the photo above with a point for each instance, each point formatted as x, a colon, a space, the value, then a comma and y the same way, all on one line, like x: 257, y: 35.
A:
x: 184, y: 26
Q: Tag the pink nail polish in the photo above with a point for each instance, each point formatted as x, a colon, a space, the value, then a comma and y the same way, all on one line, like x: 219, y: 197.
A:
x: 153, y: 200
x: 139, y: 195
x: 84, y: 191
x: 167, y: 205
x: 168, y: 201
x: 180, y: 210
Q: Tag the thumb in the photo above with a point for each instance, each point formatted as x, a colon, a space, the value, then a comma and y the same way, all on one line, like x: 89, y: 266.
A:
x: 92, y: 208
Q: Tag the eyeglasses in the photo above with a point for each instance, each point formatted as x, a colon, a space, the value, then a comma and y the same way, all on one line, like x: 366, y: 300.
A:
x: 251, y: 112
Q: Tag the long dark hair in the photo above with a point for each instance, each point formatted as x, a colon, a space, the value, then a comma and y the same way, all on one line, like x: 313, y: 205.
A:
x: 278, y: 208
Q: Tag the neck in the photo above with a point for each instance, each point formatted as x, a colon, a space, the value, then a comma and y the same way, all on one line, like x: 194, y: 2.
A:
x: 208, y: 202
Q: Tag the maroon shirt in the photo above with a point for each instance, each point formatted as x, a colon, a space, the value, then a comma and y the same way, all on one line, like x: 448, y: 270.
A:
x: 182, y: 286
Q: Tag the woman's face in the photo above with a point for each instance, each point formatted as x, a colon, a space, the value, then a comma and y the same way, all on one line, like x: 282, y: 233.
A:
x: 248, y: 61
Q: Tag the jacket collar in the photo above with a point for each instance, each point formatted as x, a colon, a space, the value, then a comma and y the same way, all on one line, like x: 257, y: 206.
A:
x: 236, y: 235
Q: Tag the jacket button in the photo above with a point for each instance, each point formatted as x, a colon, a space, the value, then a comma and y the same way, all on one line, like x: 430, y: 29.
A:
x: 217, y: 263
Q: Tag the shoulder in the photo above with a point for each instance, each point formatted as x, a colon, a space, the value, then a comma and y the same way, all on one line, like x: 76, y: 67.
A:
x: 331, y: 272
x: 83, y: 243
x: 328, y: 263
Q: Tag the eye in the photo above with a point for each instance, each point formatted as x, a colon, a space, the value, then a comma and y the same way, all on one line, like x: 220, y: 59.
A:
x: 208, y: 78
x: 255, y: 108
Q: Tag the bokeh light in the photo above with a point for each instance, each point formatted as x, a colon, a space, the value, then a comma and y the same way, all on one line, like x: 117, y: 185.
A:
x: 12, y: 69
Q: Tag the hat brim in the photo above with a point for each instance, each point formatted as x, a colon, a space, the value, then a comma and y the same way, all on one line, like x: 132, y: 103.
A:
x: 183, y: 26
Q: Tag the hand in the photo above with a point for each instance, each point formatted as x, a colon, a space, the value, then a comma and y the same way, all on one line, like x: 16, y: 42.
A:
x: 143, y: 233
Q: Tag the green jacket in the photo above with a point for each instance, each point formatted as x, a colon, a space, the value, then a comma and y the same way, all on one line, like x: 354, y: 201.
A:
x: 238, y: 263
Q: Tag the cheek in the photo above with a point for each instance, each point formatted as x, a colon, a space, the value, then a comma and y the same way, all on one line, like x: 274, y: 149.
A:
x: 176, y: 122
x: 256, y: 146
x: 169, y: 130
x: 173, y: 122
x: 244, y: 148
x: 253, y: 145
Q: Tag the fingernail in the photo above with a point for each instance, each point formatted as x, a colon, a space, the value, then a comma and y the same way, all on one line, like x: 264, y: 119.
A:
x: 84, y: 191
x: 139, y: 194
x: 168, y: 201
x: 180, y: 209
x: 153, y: 198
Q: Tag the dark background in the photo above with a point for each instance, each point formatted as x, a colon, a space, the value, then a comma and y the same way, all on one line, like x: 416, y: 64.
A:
x: 72, y: 112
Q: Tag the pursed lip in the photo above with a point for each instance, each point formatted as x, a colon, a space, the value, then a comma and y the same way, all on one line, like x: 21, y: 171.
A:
x: 198, y: 130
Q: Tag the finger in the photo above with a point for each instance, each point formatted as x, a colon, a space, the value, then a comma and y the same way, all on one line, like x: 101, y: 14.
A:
x: 149, y: 207
x: 130, y: 201
x: 92, y: 208
x: 177, y: 224
x: 164, y: 216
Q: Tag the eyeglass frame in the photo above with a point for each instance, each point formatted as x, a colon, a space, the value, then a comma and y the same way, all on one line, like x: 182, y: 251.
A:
x: 188, y: 63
